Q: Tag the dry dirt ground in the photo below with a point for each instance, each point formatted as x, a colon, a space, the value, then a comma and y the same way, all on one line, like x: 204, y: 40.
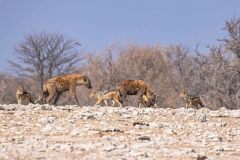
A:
x: 72, y: 132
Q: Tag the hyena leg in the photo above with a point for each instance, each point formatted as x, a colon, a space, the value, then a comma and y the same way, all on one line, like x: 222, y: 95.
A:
x: 51, y: 93
x: 41, y: 99
x: 105, y: 101
x: 74, y: 97
x: 73, y: 94
x: 123, y: 96
x: 140, y: 99
x: 51, y: 97
x: 57, y: 98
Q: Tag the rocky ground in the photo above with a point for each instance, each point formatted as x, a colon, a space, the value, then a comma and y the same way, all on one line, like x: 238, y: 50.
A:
x: 72, y: 132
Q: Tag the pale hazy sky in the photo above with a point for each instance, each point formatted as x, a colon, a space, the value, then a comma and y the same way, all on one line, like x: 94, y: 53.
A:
x: 98, y: 23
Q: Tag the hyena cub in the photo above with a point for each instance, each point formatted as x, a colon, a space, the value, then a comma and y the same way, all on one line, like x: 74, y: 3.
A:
x: 106, y: 95
x: 139, y: 88
x: 23, y: 97
x: 55, y: 86
x: 190, y: 100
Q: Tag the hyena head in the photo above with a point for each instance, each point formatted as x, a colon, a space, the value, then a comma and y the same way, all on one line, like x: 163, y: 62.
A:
x: 87, y: 82
x: 152, y: 99
x: 149, y: 100
x: 84, y: 81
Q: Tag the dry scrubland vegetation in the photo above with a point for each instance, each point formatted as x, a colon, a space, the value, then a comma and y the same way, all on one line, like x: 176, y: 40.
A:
x: 213, y: 75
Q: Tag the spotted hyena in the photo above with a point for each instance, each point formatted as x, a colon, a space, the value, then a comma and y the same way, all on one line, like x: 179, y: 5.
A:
x: 106, y: 95
x: 55, y: 86
x: 23, y: 97
x: 139, y: 88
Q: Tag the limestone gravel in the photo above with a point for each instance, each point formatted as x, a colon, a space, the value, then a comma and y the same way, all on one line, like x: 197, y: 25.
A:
x: 72, y: 132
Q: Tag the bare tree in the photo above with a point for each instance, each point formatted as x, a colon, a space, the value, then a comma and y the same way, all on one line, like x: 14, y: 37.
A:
x: 232, y: 41
x: 41, y: 56
x: 214, y: 76
x: 132, y: 62
x: 103, y: 68
x: 7, y: 89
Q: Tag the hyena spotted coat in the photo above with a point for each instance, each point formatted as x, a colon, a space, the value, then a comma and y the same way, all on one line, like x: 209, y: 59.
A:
x: 139, y: 88
x: 53, y: 87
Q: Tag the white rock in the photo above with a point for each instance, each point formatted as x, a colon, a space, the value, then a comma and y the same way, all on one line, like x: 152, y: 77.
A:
x: 235, y: 113
x: 126, y: 116
x: 222, y: 124
x: 201, y: 117
x: 218, y: 148
x: 88, y: 127
x: 47, y: 129
x: 156, y: 125
x: 46, y: 120
x: 135, y: 113
x: 65, y: 147
x: 214, y: 113
x: 75, y: 132
x: 234, y: 131
x: 169, y: 131
x: 213, y: 137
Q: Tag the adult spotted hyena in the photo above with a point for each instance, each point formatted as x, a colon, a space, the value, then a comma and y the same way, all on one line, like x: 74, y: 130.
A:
x: 53, y: 87
x: 139, y: 88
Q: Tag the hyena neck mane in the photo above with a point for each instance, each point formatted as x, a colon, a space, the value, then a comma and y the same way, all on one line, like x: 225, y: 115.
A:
x: 80, y: 79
